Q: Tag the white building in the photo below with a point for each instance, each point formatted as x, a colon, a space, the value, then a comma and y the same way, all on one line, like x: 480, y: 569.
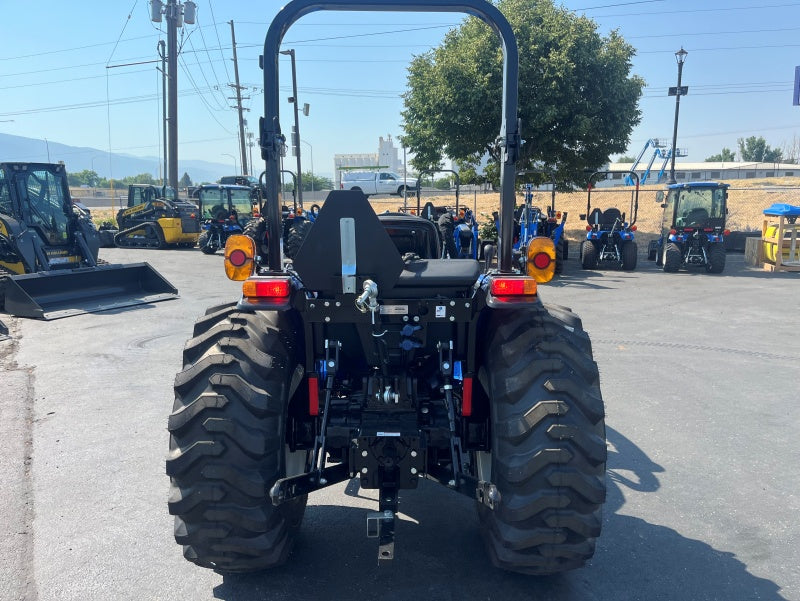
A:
x: 386, y: 159
x: 697, y: 172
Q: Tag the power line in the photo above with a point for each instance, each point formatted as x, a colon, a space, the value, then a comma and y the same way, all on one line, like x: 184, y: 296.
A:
x: 219, y: 42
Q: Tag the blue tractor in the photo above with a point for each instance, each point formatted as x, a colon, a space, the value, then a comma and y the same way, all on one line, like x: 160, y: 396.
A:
x: 457, y: 226
x: 610, y: 239
x: 693, y: 227
x: 535, y: 222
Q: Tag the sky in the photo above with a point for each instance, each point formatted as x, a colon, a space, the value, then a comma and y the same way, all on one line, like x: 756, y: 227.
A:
x: 78, y: 73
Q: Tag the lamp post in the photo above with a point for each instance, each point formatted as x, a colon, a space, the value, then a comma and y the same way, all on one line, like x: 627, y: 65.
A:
x: 48, y: 149
x: 311, y: 154
x: 235, y: 167
x: 677, y: 91
x: 295, y: 143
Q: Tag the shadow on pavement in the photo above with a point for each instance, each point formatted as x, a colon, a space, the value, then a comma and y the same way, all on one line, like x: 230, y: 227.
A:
x: 440, y: 554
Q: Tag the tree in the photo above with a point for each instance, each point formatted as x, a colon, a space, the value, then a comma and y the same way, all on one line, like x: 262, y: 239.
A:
x: 320, y: 183
x: 577, y: 99
x: 185, y: 181
x: 726, y: 155
x: 626, y: 159
x: 83, y: 178
x: 756, y: 149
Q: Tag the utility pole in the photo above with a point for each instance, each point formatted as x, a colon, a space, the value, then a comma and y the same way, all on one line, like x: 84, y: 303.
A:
x: 175, y: 14
x: 172, y: 91
x: 238, y: 99
x: 162, y: 51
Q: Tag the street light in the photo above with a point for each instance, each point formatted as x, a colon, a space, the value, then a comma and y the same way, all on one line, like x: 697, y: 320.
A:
x: 677, y: 91
x: 296, y: 132
x: 311, y: 153
x: 235, y: 168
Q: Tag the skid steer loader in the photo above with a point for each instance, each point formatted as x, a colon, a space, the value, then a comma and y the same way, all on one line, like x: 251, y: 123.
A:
x: 369, y: 358
x: 48, y: 252
x: 156, y: 218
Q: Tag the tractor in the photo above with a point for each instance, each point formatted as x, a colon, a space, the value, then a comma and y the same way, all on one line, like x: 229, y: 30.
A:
x: 610, y: 239
x: 369, y: 359
x: 224, y: 209
x: 693, y: 227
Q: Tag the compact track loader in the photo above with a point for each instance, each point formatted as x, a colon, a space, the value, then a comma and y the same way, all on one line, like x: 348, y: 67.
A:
x: 156, y: 218
x: 48, y: 252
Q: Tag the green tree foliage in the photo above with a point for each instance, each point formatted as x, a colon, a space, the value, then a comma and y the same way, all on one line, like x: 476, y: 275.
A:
x: 84, y: 178
x: 185, y: 181
x: 626, y: 159
x: 320, y: 183
x: 726, y: 155
x: 756, y: 149
x: 577, y: 98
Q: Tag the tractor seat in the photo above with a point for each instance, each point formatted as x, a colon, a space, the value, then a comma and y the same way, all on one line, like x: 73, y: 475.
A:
x: 610, y: 217
x: 696, y: 217
x: 437, y: 277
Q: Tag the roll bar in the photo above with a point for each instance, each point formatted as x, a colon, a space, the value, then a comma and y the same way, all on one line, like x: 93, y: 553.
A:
x: 272, y: 141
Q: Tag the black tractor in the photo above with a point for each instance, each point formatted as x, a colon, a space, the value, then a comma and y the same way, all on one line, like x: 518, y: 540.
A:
x: 368, y: 358
x: 693, y: 227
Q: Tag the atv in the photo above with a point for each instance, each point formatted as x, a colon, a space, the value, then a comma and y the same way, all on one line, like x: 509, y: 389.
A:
x: 693, y: 227
x: 610, y: 239
x: 369, y: 359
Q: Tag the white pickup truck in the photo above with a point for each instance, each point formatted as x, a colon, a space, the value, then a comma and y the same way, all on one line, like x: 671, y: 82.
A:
x: 370, y: 182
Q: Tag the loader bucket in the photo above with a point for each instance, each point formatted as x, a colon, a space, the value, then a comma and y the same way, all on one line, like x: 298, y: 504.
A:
x: 56, y: 294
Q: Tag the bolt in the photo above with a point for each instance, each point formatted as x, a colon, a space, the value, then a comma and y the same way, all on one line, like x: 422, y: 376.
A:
x: 445, y: 365
x: 331, y: 364
x: 322, y: 481
x: 416, y: 318
x: 312, y: 306
x: 338, y: 304
x: 327, y: 318
x: 327, y: 303
x: 405, y: 317
x: 452, y: 483
x: 364, y: 470
x: 452, y: 318
x: 414, y: 471
x: 364, y: 453
x: 452, y: 303
x: 413, y: 453
x: 466, y: 305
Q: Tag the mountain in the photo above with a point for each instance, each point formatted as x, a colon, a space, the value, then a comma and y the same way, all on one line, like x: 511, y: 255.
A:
x: 77, y: 158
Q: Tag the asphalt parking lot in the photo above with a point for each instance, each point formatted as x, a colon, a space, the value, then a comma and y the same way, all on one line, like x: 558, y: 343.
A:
x: 701, y: 379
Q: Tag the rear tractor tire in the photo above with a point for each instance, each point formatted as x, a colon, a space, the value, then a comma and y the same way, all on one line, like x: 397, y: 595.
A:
x: 672, y: 258
x: 588, y: 255
x: 297, y: 234
x: 228, y: 444
x: 716, y: 258
x: 629, y: 255
x: 203, y: 243
x: 548, y: 448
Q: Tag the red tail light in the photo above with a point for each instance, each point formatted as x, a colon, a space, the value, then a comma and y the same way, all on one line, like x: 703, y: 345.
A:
x: 588, y: 228
x: 266, y: 288
x: 633, y: 228
x: 513, y: 286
